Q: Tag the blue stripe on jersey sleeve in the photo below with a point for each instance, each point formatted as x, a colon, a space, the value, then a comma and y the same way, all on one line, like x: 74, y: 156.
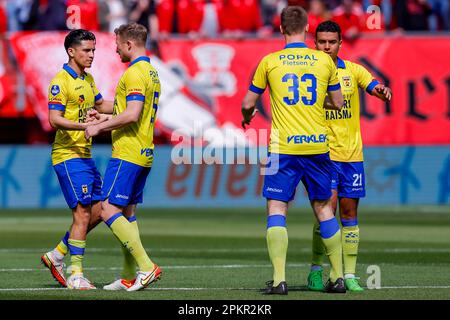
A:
x: 54, y: 106
x: 334, y: 87
x: 372, y: 85
x: 98, y: 97
x: 255, y: 89
x: 136, y: 97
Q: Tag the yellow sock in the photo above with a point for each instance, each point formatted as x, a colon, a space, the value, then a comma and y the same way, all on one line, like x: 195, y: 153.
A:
x: 331, y: 237
x: 350, y: 242
x: 62, y: 246
x: 277, y: 244
x: 318, y: 250
x: 126, y: 234
x: 76, y: 249
x: 129, y: 264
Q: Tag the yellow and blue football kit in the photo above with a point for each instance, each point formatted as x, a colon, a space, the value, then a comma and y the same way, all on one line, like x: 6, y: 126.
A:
x: 71, y: 153
x: 299, y: 79
x: 75, y: 96
x: 132, y: 157
x: 346, y: 147
x: 346, y: 153
x: 132, y: 146
x: 78, y: 176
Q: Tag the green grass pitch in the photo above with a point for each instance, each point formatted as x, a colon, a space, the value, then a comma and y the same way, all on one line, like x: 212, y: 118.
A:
x: 221, y: 254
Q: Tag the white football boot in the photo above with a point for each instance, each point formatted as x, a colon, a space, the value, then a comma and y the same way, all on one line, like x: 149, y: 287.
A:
x: 119, y: 284
x: 79, y: 282
x: 143, y: 279
x: 56, y: 266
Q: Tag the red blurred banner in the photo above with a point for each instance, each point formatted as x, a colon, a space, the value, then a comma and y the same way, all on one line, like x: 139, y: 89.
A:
x: 214, y: 77
x: 416, y: 68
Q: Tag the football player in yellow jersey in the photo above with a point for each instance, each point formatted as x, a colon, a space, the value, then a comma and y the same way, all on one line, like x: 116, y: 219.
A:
x: 346, y: 153
x: 132, y: 125
x: 299, y: 79
x: 72, y: 93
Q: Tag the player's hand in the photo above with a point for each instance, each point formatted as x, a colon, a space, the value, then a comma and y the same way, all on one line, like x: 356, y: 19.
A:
x: 92, y: 115
x: 248, y: 116
x: 100, y: 119
x: 386, y: 92
x: 91, y: 131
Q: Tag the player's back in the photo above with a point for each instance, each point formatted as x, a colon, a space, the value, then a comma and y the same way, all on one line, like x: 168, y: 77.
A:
x: 140, y: 82
x: 299, y: 79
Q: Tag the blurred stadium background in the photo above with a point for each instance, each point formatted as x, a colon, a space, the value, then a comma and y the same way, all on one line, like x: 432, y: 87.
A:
x: 206, y: 52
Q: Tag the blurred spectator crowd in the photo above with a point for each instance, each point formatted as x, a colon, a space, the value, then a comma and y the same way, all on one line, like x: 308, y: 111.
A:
x: 222, y: 18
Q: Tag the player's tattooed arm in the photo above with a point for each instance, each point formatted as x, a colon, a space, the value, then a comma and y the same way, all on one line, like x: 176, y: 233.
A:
x: 249, y: 107
x: 382, y: 92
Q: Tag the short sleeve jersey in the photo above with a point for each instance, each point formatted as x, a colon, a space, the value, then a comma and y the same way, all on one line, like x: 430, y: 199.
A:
x: 73, y: 95
x: 344, y: 125
x: 134, y: 143
x: 298, y: 79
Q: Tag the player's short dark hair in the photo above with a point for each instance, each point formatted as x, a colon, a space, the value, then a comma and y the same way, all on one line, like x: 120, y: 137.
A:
x: 293, y: 20
x: 75, y: 37
x: 329, y: 26
x: 133, y: 31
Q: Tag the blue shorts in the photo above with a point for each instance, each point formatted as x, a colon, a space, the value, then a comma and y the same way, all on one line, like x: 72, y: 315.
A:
x: 80, y: 181
x: 124, y: 182
x: 313, y: 170
x: 349, y: 179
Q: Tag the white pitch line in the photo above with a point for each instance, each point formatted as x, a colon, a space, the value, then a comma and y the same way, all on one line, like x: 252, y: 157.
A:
x: 417, y: 287
x: 218, y: 266
x: 218, y: 289
x: 225, y: 250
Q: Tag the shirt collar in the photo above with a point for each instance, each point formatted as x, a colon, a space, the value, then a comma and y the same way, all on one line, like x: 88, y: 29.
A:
x: 72, y: 72
x: 296, y: 45
x: 340, y: 63
x: 142, y: 58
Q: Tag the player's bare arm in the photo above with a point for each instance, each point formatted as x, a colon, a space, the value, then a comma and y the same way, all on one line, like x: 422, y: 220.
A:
x: 336, y: 99
x: 57, y: 121
x: 328, y: 105
x: 104, y: 106
x: 382, y: 92
x: 129, y: 116
x: 249, y: 107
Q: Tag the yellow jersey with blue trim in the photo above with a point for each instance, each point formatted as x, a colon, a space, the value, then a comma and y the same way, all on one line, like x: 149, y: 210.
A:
x: 74, y: 95
x: 344, y: 125
x: 134, y: 143
x: 298, y: 79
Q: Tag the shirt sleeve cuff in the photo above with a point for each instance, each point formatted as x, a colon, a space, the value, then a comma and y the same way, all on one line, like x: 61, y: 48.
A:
x: 56, y: 106
x: 98, y: 97
x: 255, y: 89
x: 334, y: 87
x: 135, y: 97
x: 372, y: 85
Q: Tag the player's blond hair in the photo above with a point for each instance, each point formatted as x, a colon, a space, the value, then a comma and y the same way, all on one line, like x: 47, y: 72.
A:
x: 293, y: 20
x: 133, y: 31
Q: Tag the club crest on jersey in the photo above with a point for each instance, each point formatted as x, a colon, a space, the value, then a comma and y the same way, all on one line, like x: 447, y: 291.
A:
x: 84, y: 188
x: 347, y: 81
x: 81, y: 98
x: 55, y: 90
